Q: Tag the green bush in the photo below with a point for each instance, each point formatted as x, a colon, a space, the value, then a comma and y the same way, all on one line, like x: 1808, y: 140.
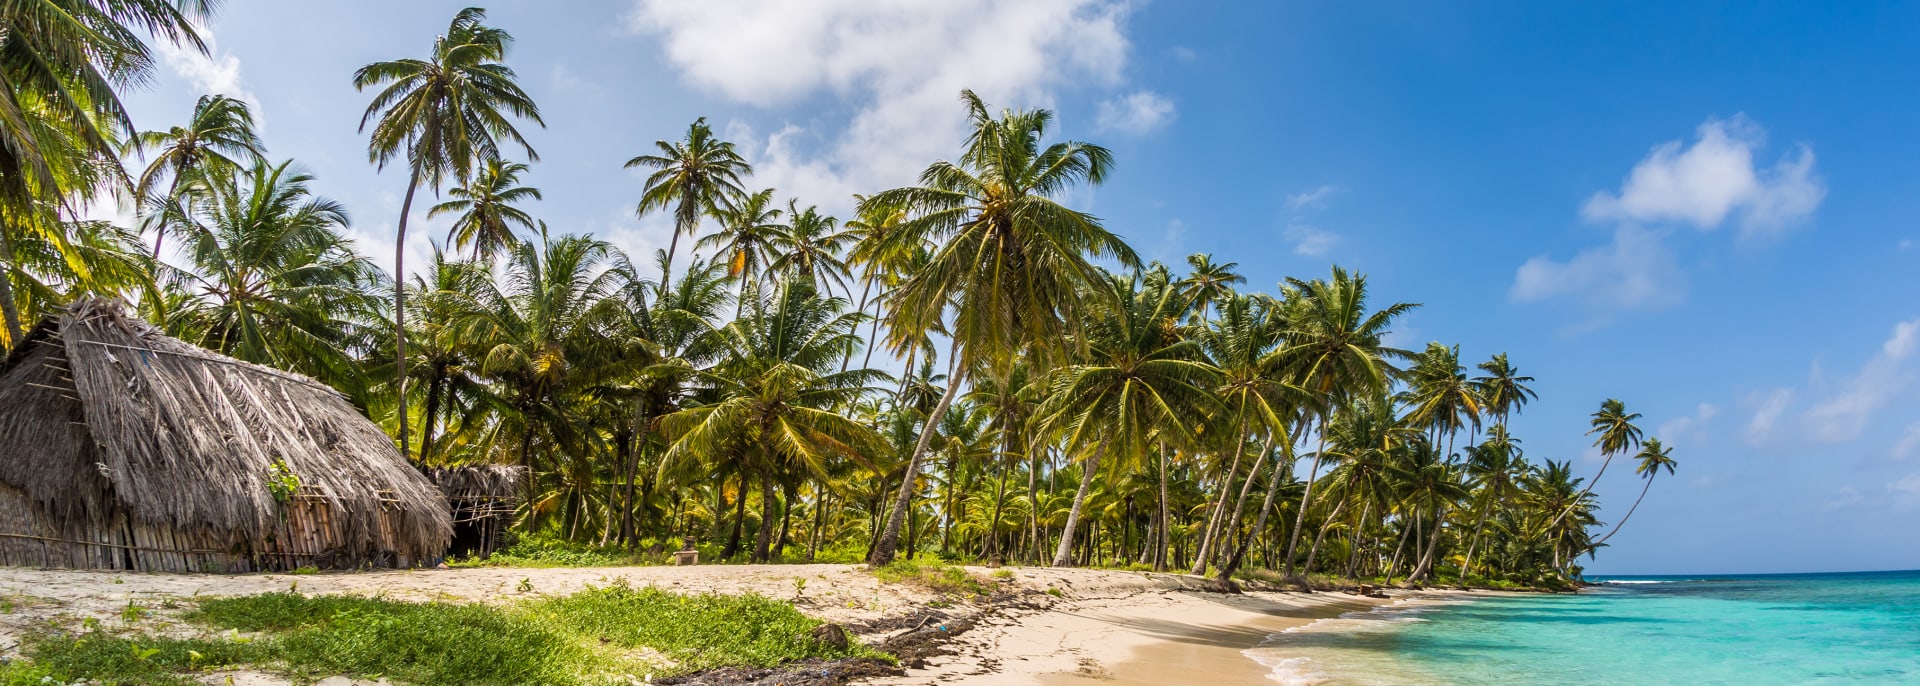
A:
x: 933, y: 576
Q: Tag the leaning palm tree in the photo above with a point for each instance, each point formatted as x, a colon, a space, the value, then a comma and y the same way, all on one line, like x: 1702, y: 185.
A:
x: 484, y: 211
x: 1654, y: 457
x: 1335, y: 351
x: 1013, y: 266
x: 1616, y: 434
x: 441, y: 114
x: 697, y: 176
x: 218, y: 136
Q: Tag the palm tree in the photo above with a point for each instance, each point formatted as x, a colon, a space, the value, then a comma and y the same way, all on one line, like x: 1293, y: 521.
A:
x: 1503, y: 389
x: 1494, y: 468
x: 275, y: 280
x: 1439, y: 396
x: 1013, y: 264
x: 60, y: 113
x: 748, y: 230
x: 777, y: 394
x: 483, y: 205
x: 442, y: 114
x: 1653, y: 457
x: 218, y: 136
x: 697, y: 176
x: 810, y: 249
x: 1616, y: 434
x: 1334, y: 351
x: 1260, y: 402
x: 1141, y: 381
x: 1209, y: 283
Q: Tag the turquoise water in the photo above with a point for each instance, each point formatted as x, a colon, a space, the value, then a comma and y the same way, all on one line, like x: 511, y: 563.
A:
x: 1746, y: 630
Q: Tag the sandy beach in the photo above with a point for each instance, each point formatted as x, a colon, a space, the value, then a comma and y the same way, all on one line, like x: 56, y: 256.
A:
x: 1073, y: 626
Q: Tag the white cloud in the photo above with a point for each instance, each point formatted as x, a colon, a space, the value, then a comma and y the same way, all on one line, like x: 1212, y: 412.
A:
x: 1315, y: 198
x: 899, y: 66
x: 1909, y: 443
x: 1905, y: 244
x: 1135, y: 114
x: 1688, y: 428
x: 215, y: 73
x: 1846, y: 410
x: 1635, y: 272
x: 1715, y: 178
x: 1183, y: 54
x: 1906, y: 491
x: 1766, y: 417
x: 1310, y: 241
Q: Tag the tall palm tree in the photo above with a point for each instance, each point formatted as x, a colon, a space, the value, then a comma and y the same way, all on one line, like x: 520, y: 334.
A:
x: 218, y: 136
x: 1334, y: 350
x: 1013, y: 264
x: 1615, y: 434
x: 276, y: 280
x: 1494, y: 468
x: 696, y: 176
x: 441, y: 114
x: 1260, y: 403
x: 810, y: 249
x: 484, y: 211
x: 1141, y: 381
x: 1654, y: 456
x: 1439, y: 396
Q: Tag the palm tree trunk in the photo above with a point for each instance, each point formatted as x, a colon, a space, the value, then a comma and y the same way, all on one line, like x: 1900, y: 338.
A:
x: 1623, y: 520
x: 160, y: 229
x: 666, y: 265
x: 1306, y: 497
x: 1433, y: 543
x: 1353, y: 542
x: 400, y: 305
x: 890, y: 540
x: 820, y: 501
x: 9, y: 310
x: 1479, y: 526
x: 1220, y: 505
x: 739, y: 519
x: 1405, y: 533
x: 1160, y: 546
x: 848, y: 360
x: 1259, y: 521
x: 434, y: 386
x: 999, y: 500
x: 1575, y: 503
x: 1063, y: 556
x: 627, y: 529
x: 1314, y: 549
x: 1246, y: 487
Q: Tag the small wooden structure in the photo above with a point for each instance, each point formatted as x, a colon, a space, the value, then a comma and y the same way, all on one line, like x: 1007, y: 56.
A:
x: 121, y: 448
x: 483, y: 499
x: 687, y: 556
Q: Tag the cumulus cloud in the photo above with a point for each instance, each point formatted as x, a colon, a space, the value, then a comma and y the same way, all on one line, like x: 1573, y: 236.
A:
x: 1135, y: 114
x: 1707, y: 184
x: 899, y: 66
x: 1636, y: 271
x: 1310, y: 241
x: 1846, y: 409
x: 214, y: 73
x: 1715, y: 179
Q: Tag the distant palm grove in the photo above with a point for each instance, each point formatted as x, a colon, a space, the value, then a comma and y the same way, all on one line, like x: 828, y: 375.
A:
x: 1063, y: 402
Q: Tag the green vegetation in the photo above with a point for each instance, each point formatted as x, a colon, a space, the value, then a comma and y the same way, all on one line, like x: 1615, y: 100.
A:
x: 591, y: 637
x: 934, y: 576
x: 1063, y: 402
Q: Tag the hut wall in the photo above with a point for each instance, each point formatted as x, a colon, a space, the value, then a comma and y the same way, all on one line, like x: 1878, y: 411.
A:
x: 30, y: 537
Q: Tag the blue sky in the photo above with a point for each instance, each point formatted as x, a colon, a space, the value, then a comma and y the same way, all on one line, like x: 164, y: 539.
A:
x: 1703, y: 209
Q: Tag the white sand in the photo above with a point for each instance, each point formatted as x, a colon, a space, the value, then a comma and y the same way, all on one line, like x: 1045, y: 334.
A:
x: 1101, y: 627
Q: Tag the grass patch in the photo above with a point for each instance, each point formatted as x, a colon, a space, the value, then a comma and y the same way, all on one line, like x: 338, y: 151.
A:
x: 546, y: 551
x: 933, y: 576
x: 594, y: 637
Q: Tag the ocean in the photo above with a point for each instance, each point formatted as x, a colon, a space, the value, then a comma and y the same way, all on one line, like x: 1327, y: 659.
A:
x: 1730, y: 629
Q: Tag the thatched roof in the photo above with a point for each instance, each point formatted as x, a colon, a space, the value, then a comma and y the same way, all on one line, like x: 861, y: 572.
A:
x: 101, y: 412
x: 478, y: 480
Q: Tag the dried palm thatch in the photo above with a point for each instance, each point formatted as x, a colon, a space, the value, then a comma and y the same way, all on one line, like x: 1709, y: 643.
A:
x: 483, y: 499
x: 122, y: 448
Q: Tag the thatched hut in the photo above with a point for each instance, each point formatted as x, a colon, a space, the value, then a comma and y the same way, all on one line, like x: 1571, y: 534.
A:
x: 483, y: 499
x: 121, y: 448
